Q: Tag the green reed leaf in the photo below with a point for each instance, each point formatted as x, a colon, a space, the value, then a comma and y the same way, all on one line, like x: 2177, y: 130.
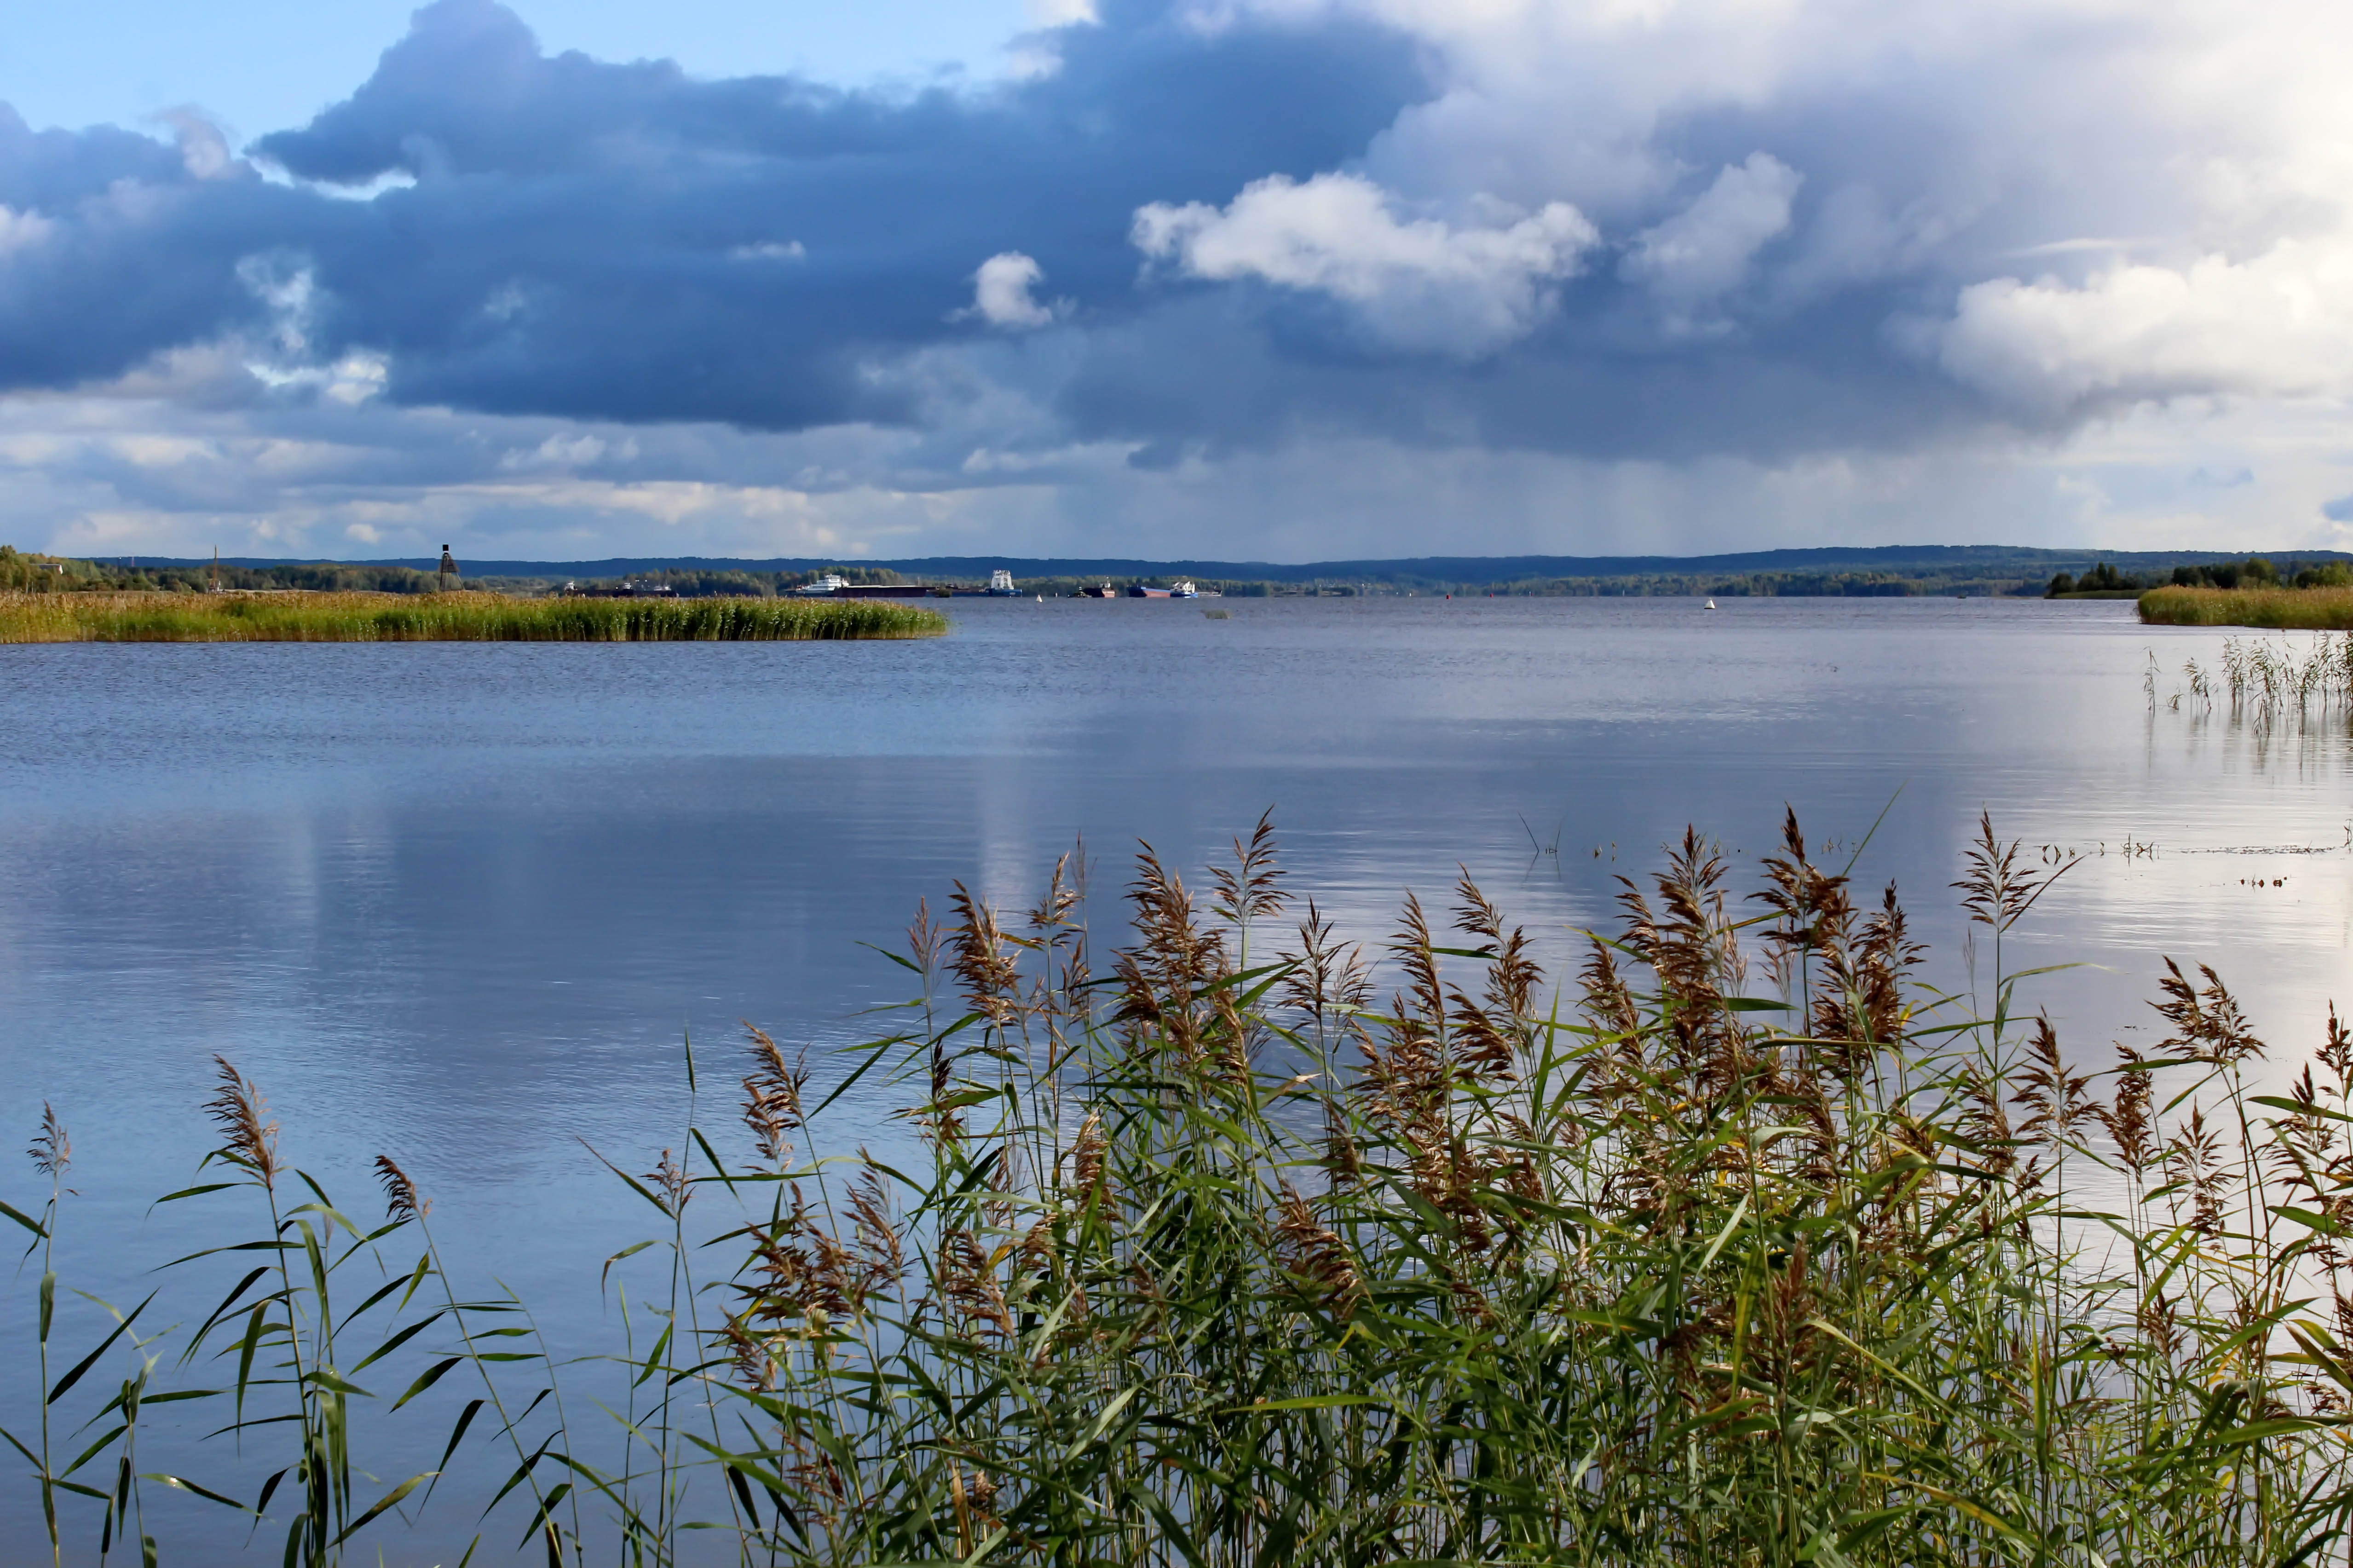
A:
x: 180, y: 1484
x: 389, y: 1501
x: 121, y: 1327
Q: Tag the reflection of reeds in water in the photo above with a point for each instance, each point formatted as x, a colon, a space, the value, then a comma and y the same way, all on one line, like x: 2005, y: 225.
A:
x: 1220, y: 1254
x: 295, y: 617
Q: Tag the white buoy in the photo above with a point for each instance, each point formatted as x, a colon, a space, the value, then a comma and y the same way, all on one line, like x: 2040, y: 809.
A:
x: 1710, y: 604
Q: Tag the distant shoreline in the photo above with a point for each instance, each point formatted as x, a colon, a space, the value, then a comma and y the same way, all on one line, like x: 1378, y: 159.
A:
x: 1482, y: 570
x: 1893, y: 570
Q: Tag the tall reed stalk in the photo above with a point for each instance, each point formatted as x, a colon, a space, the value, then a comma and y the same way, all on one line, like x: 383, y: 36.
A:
x: 51, y: 1154
x: 292, y: 1336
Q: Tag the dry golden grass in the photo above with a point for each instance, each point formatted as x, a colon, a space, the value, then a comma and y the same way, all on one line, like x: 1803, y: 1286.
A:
x: 2299, y: 609
x: 300, y: 617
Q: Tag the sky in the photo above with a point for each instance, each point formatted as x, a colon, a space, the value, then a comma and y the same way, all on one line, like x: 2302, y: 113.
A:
x: 1259, y: 279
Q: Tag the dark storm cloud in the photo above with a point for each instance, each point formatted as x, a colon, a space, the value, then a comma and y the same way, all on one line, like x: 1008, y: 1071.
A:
x: 569, y: 237
x: 114, y: 250
x: 622, y: 241
x: 1245, y: 370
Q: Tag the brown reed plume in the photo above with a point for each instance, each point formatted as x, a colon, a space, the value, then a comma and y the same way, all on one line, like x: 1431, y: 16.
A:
x: 2193, y: 1162
x: 1314, y: 1255
x: 1251, y: 888
x: 2208, y: 1023
x: 1065, y: 891
x: 1326, y: 979
x: 248, y: 1139
x: 772, y: 1097
x: 1802, y: 897
x: 672, y: 1188
x: 1085, y: 1182
x: 985, y: 957
x: 1998, y: 892
x: 2054, y: 1096
x: 1172, y: 1003
x: 52, y: 1150
x: 803, y: 1284
x: 1692, y: 948
x: 401, y: 1198
x: 2130, y: 1118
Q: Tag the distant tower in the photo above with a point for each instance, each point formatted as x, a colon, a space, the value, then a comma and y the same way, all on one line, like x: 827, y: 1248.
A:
x: 448, y: 574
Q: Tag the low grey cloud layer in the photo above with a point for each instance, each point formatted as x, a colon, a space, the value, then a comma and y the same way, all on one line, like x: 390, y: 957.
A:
x: 1563, y: 276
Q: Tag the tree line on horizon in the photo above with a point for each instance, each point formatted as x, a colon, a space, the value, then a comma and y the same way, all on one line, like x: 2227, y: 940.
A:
x: 2255, y: 571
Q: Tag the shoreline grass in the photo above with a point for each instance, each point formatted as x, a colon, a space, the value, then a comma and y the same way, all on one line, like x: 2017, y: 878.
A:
x: 300, y: 617
x: 2285, y: 609
x: 1727, y: 1241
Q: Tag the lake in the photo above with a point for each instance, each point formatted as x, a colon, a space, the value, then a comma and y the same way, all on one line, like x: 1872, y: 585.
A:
x: 461, y: 903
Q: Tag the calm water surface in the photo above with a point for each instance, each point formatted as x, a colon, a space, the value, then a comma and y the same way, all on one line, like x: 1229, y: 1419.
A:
x: 461, y: 903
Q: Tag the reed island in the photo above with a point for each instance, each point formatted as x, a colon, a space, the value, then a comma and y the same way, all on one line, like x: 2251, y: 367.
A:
x: 50, y: 598
x: 2291, y: 595
x: 2279, y: 607
x: 473, y: 616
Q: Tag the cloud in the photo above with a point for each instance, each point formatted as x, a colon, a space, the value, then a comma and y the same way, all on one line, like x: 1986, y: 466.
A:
x: 556, y: 235
x: 1416, y: 284
x: 19, y: 231
x: 2279, y: 324
x: 1706, y: 251
x: 203, y: 149
x: 2055, y: 256
x: 1001, y: 292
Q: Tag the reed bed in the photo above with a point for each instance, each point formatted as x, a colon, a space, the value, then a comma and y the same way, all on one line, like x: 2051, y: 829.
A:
x: 2269, y: 683
x: 1253, y: 1243
x: 298, y: 617
x: 2285, y: 609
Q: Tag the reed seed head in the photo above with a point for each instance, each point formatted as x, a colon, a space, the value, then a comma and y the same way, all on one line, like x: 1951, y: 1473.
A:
x: 401, y: 1199
x: 52, y: 1151
x: 248, y: 1138
x: 772, y: 1097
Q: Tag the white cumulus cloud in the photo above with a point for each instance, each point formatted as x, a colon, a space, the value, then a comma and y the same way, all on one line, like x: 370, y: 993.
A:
x: 1001, y: 292
x: 1416, y: 283
x: 2278, y: 324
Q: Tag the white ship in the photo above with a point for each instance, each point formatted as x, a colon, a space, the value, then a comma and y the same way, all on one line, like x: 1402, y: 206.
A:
x: 825, y: 587
x: 1184, y: 591
x: 1000, y: 584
